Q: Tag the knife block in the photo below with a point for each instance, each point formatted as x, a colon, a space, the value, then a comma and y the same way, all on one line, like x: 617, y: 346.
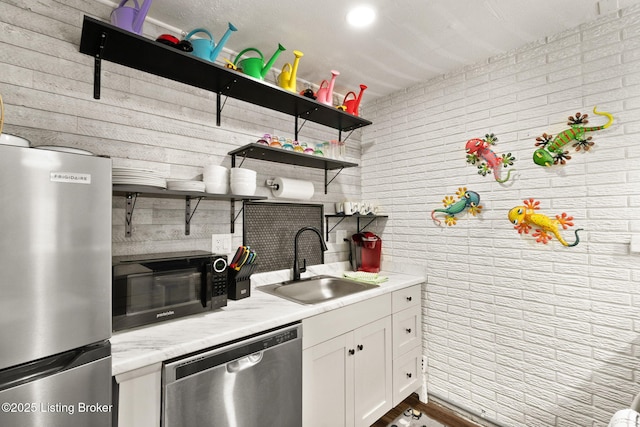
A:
x: 239, y: 282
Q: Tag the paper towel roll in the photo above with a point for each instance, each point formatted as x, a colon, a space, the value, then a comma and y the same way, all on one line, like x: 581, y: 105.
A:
x: 286, y: 188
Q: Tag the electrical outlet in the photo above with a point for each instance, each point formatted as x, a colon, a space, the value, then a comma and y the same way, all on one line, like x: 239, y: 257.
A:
x: 220, y: 243
x: 424, y: 364
x: 341, y: 235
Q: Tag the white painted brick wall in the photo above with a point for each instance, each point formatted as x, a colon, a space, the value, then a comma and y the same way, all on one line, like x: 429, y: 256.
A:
x: 528, y: 334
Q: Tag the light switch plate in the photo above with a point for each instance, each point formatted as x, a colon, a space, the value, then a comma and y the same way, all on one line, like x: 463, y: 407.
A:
x: 635, y: 244
x: 220, y: 243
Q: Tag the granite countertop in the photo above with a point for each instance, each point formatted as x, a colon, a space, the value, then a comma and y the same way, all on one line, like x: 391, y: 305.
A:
x: 146, y: 346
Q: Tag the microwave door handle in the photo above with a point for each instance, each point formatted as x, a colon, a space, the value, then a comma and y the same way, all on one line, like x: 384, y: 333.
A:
x: 205, y: 286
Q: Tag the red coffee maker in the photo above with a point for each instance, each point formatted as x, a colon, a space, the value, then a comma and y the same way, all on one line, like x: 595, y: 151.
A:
x: 366, y: 249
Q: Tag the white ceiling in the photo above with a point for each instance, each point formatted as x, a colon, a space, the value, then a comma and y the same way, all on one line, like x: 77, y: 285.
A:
x: 410, y: 42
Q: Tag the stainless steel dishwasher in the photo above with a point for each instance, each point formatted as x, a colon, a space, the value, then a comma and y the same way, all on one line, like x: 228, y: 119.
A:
x: 254, y: 382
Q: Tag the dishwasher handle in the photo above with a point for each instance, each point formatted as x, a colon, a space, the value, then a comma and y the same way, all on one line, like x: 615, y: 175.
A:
x: 244, y: 362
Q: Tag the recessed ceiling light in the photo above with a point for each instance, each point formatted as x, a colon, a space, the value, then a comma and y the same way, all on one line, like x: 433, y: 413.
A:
x: 361, y: 16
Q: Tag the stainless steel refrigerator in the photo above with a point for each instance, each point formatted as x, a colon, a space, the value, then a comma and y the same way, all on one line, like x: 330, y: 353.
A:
x: 55, y: 288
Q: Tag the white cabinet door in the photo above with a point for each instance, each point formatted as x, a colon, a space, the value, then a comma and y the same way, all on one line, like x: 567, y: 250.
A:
x: 373, y: 371
x: 327, y: 383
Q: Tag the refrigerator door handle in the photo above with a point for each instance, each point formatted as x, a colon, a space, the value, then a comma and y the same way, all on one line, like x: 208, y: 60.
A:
x: 32, y: 371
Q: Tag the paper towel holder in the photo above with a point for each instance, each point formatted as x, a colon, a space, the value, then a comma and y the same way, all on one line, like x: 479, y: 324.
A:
x: 271, y: 184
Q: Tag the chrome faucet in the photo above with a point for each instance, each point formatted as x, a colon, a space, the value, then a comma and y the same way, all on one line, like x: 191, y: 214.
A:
x: 296, y: 268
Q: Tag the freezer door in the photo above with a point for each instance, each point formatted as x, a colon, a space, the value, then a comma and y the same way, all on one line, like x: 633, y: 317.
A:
x: 55, y: 252
x: 72, y: 389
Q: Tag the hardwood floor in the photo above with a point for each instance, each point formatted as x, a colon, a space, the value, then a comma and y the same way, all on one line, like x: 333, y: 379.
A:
x: 431, y: 409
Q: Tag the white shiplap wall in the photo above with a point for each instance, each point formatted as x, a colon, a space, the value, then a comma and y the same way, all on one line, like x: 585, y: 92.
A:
x: 142, y: 121
x: 524, y: 333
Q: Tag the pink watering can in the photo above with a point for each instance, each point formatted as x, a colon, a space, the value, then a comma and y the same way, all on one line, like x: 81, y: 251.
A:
x: 130, y: 18
x: 325, y: 94
x: 206, y: 48
x: 351, y: 106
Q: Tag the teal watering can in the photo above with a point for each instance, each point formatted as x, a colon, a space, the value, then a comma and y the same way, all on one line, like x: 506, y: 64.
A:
x: 206, y: 48
x: 255, y: 67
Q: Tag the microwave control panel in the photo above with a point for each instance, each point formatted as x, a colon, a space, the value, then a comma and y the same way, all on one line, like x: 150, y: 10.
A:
x: 219, y: 282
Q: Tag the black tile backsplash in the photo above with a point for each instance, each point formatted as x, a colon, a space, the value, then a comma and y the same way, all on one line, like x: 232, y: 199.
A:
x: 270, y: 228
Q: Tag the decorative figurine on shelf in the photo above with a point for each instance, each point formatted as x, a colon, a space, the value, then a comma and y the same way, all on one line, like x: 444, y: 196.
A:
x: 524, y: 218
x: 479, y: 149
x: 551, y: 152
x: 467, y: 199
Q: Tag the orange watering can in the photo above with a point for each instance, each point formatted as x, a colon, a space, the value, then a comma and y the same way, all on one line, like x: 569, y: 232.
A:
x: 351, y: 106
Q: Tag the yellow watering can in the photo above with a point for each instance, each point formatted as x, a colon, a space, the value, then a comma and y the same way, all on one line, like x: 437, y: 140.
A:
x: 255, y: 67
x: 287, y: 79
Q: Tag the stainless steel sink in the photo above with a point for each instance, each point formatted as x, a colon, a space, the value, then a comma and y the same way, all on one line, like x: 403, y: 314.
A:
x: 316, y: 289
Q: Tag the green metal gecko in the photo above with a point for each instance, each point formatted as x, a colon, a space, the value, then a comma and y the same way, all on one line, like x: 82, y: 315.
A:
x: 551, y: 151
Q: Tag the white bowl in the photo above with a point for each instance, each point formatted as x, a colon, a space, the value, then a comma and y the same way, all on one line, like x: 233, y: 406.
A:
x: 217, y: 187
x: 214, y: 173
x: 243, y: 180
x: 243, y: 189
x: 243, y: 173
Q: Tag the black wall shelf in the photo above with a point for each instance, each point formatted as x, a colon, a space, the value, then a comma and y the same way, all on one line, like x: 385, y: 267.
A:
x: 131, y: 193
x: 105, y: 41
x: 279, y: 155
x: 368, y: 217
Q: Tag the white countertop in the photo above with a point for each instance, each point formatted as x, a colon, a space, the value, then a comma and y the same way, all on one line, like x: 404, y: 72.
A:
x: 145, y: 346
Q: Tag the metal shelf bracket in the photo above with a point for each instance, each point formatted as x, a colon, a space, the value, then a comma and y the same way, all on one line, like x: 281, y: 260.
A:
x: 326, y: 177
x: 233, y: 216
x: 220, y: 105
x: 329, y: 230
x: 188, y: 214
x: 97, y: 66
x: 131, y: 199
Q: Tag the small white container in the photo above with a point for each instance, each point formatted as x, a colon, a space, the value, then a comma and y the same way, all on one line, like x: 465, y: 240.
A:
x: 217, y: 187
x: 212, y: 173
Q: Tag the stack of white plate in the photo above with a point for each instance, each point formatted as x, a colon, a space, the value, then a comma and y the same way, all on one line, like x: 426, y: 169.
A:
x: 184, y: 185
x: 134, y: 176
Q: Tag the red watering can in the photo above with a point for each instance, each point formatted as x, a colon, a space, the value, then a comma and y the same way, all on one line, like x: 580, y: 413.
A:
x: 351, y: 106
x: 130, y: 18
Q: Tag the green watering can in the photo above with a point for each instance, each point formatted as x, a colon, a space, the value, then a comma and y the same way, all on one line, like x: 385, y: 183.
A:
x: 255, y: 67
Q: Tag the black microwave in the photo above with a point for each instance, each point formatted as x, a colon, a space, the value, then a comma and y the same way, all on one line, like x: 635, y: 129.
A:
x: 153, y: 288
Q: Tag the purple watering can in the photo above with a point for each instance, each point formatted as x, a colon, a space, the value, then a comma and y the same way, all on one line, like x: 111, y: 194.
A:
x: 130, y: 18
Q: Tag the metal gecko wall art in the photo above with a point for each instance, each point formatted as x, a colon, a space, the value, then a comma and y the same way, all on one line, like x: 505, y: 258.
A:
x: 551, y: 151
x: 467, y: 199
x: 478, y: 149
x: 525, y: 217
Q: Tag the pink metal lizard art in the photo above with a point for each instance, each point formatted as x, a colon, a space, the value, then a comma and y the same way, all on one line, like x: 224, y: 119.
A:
x: 479, y: 149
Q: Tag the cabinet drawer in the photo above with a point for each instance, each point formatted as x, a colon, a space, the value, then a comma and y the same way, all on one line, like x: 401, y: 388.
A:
x: 405, y: 298
x: 407, y: 330
x: 407, y: 374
